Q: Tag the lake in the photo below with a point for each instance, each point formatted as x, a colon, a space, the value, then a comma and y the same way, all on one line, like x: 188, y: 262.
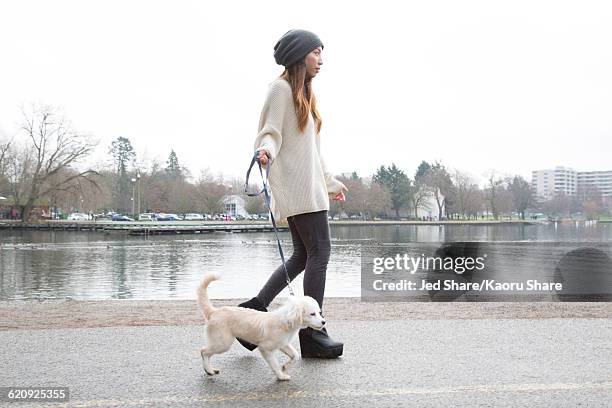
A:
x: 93, y: 265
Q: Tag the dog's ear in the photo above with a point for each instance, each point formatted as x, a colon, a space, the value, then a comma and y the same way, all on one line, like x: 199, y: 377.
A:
x: 295, y: 313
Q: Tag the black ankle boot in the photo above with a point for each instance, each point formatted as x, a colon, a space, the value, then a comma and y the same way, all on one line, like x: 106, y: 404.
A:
x: 256, y: 305
x: 318, y: 344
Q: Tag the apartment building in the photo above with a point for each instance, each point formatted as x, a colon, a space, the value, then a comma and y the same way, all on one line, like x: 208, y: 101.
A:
x: 600, y: 179
x: 547, y: 183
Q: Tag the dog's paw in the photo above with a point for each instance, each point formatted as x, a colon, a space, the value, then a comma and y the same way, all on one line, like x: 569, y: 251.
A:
x: 286, y: 366
x: 211, y: 371
x: 283, y: 377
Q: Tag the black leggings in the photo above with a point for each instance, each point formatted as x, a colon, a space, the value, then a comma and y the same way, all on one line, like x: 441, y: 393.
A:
x: 311, y: 250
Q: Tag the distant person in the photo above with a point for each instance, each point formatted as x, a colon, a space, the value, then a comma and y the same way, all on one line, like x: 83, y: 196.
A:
x: 300, y: 183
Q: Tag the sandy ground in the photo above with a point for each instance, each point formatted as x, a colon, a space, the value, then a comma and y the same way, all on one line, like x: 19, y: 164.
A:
x: 49, y: 314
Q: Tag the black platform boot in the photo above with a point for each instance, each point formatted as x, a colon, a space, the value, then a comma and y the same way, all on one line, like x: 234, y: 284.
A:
x: 318, y: 344
x: 251, y: 304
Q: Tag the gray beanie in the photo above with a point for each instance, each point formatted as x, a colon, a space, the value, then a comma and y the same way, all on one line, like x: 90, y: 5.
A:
x: 295, y: 45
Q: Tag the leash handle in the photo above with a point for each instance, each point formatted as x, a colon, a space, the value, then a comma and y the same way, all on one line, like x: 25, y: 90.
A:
x: 265, y: 191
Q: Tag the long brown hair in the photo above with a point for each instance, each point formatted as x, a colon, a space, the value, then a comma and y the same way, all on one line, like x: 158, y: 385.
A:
x: 304, y: 99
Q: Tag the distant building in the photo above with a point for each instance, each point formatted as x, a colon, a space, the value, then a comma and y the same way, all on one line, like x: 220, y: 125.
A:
x: 429, y: 210
x: 547, y: 183
x: 234, y: 205
x: 600, y: 179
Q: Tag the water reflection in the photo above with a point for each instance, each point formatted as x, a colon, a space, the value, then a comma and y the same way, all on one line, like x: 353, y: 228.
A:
x: 92, y: 265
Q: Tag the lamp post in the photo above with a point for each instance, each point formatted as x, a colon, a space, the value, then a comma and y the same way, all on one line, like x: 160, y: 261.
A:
x: 138, y: 178
x: 133, y: 184
x: 2, y: 199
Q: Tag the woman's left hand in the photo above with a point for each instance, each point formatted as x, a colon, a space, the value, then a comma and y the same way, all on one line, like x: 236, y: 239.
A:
x: 340, y: 196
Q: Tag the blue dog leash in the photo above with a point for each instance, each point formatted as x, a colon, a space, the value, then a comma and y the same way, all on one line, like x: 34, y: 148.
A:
x: 265, y: 191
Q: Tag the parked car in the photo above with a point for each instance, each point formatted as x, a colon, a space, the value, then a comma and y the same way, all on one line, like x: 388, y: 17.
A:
x: 78, y: 217
x: 146, y: 217
x: 193, y: 217
x: 167, y: 217
x: 120, y: 217
x: 239, y: 217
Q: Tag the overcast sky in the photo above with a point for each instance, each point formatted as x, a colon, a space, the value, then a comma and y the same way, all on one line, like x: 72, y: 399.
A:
x: 480, y: 85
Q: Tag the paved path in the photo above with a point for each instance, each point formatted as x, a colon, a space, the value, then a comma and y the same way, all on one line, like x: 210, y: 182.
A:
x: 68, y: 313
x: 484, y: 362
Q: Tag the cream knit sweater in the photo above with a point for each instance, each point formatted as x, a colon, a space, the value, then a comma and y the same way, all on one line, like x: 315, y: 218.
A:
x: 299, y: 180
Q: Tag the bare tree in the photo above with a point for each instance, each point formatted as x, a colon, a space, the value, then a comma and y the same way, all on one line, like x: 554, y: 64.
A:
x: 357, y: 199
x: 522, y: 194
x: 209, y: 193
x: 466, y: 199
x: 493, y: 193
x: 378, y: 200
x: 591, y: 200
x: 558, y: 205
x: 474, y: 202
x: 366, y: 197
x: 4, y: 148
x: 79, y: 194
x: 255, y: 205
x: 51, y: 146
x: 420, y: 192
x: 440, y: 183
x: 5, y: 145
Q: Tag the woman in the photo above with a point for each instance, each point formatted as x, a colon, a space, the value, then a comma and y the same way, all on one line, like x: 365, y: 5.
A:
x: 299, y: 181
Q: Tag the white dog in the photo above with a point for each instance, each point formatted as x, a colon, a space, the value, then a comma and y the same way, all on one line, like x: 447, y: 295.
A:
x: 270, y: 331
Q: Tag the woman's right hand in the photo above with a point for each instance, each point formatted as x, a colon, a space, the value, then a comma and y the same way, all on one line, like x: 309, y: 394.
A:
x: 262, y: 157
x: 340, y: 196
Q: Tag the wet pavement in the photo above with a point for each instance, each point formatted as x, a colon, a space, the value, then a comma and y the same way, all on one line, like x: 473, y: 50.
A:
x: 484, y: 362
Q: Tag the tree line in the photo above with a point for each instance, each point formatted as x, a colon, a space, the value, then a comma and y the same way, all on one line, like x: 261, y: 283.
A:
x: 41, y: 167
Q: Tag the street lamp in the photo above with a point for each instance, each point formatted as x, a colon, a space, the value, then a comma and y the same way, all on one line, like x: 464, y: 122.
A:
x: 133, y: 184
x: 138, y: 178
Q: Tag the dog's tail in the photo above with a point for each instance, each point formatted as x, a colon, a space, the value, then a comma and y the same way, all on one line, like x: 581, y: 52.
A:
x: 203, y: 301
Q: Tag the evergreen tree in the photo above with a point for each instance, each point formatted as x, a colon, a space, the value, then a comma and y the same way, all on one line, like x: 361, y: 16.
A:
x: 397, y: 183
x: 123, y: 154
x: 172, y: 165
x: 423, y: 168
